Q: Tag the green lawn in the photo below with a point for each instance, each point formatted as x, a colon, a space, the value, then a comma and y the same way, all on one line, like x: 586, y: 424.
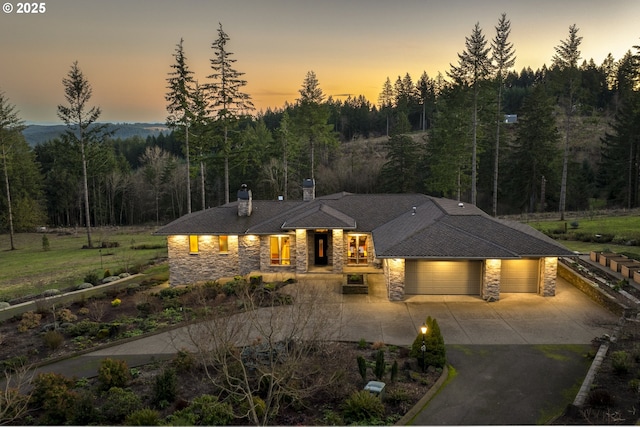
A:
x: 31, y: 269
x: 622, y: 229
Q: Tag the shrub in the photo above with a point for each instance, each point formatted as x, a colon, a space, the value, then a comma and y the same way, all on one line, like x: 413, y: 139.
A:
x: 143, y: 417
x: 65, y: 315
x: 165, y: 387
x: 620, y: 362
x: 119, y: 404
x: 83, y: 311
x: 435, y: 354
x: 107, y: 273
x: 113, y: 373
x: 362, y: 407
x: 378, y: 345
x: 53, y: 339
x: 30, y: 320
x: 116, y: 302
x: 183, y: 361
x: 85, y: 411
x: 362, y: 367
x: 380, y: 367
x: 45, y: 243
x: 52, y: 393
x: 362, y: 344
x: 205, y: 410
x: 394, y: 371
x: 91, y: 278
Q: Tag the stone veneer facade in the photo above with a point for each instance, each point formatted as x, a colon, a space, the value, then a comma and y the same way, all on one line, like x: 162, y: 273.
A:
x: 247, y: 254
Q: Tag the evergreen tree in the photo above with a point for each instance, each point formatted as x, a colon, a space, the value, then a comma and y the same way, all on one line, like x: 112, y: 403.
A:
x: 385, y: 101
x: 532, y: 156
x: 20, y: 209
x: 620, y: 150
x: 503, y: 57
x: 447, y: 154
x: 227, y: 100
x: 427, y: 95
x: 400, y: 173
x: 435, y: 350
x: 180, y: 104
x: 474, y: 66
x: 79, y: 118
x: 311, y: 118
x: 565, y: 62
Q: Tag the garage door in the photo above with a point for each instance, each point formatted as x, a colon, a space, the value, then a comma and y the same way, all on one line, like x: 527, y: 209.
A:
x: 443, y: 277
x: 519, y: 275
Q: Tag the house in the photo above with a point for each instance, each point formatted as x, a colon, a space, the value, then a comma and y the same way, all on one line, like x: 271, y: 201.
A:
x: 423, y: 244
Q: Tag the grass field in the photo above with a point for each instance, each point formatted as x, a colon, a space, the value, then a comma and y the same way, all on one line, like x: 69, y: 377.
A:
x: 623, y: 229
x: 30, y: 269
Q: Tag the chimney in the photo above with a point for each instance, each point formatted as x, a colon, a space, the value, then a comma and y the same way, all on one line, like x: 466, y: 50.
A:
x: 244, y: 201
x: 308, y: 190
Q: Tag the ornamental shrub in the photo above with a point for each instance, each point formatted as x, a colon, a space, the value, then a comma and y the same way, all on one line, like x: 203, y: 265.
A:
x: 52, y: 393
x: 380, y: 367
x: 362, y: 407
x: 143, y: 417
x: 119, y: 404
x: 205, y: 410
x: 30, y: 320
x: 362, y: 367
x: 113, y: 373
x: 435, y: 354
x: 165, y: 387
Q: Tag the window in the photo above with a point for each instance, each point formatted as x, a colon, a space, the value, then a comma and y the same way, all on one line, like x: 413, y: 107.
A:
x: 280, y: 250
x: 193, y: 244
x: 223, y: 244
x: 357, y: 249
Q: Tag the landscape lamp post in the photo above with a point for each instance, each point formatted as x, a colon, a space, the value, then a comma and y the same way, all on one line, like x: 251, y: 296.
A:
x: 423, y: 348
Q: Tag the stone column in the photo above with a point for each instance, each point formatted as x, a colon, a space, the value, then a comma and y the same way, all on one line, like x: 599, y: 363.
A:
x: 491, y: 280
x: 394, y: 273
x: 338, y: 251
x: 302, y: 260
x: 549, y: 272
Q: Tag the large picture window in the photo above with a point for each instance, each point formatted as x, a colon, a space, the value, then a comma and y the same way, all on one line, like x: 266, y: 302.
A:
x: 280, y: 250
x: 357, y: 249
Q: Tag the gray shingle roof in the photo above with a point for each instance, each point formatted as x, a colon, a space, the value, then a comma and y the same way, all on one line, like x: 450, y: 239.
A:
x: 436, y: 228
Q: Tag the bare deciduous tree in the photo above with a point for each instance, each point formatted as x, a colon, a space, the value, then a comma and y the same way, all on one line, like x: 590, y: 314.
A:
x: 273, y: 351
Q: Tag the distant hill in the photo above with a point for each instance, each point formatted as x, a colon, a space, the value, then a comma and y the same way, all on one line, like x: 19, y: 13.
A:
x: 37, y: 134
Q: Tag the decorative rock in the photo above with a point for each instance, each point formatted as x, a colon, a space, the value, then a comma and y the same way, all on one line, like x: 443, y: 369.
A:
x: 110, y: 279
x: 85, y: 286
x: 4, y: 304
x: 51, y: 292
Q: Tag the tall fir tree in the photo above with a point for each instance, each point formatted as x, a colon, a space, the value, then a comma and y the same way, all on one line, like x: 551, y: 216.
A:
x: 10, y: 127
x: 227, y: 101
x: 311, y: 119
x: 474, y: 66
x: 532, y: 157
x: 79, y: 117
x: 504, y: 58
x: 565, y: 61
x: 180, y: 105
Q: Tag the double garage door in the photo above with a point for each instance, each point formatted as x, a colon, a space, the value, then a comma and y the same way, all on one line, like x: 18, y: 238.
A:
x: 465, y: 277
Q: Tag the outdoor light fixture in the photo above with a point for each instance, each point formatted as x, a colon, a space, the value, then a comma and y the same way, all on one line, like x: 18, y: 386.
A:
x: 423, y: 348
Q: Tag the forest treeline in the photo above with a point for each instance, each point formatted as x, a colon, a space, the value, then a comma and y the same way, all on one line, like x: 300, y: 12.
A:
x: 574, y: 146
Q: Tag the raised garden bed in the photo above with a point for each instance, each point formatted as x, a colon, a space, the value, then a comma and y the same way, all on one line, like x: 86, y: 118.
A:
x: 355, y: 284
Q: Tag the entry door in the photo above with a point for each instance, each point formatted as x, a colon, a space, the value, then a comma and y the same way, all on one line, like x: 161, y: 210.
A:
x: 321, y: 246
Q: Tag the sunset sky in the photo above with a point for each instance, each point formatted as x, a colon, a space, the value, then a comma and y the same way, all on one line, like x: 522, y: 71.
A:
x: 125, y: 47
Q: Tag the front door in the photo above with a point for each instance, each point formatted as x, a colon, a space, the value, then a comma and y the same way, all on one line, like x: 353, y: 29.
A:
x: 321, y: 246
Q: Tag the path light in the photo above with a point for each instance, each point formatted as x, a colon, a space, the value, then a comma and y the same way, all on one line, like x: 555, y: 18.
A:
x: 423, y: 348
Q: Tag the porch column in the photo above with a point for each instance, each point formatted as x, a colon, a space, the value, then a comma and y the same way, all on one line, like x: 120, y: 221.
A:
x: 548, y: 276
x: 491, y: 280
x: 302, y: 259
x: 338, y: 251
